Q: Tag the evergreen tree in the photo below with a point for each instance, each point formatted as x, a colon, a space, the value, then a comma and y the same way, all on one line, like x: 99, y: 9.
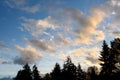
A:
x: 115, y: 47
x: 24, y: 74
x: 109, y: 58
x: 92, y: 73
x: 104, y: 58
x: 35, y: 73
x: 69, y: 70
x: 47, y: 77
x: 56, y: 73
x: 80, y: 75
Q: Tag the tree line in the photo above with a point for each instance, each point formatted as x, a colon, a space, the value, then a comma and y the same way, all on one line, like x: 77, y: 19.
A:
x: 110, y: 67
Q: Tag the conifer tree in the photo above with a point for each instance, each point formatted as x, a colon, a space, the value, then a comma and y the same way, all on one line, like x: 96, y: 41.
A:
x: 104, y: 58
x: 69, y: 70
x: 56, y: 73
x: 35, y: 73
x: 24, y: 74
x: 92, y: 73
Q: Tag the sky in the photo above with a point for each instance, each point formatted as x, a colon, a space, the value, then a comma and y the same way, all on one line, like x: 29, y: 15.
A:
x: 44, y: 32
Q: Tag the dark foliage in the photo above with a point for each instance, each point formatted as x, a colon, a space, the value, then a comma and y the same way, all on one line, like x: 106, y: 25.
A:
x: 35, y: 73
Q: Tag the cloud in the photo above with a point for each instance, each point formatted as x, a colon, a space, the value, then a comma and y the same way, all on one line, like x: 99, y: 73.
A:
x: 42, y: 45
x: 23, y: 5
x: 78, y: 53
x: 38, y: 27
x: 86, y: 24
x: 93, y: 55
x: 4, y: 46
x: 27, y: 55
x: 5, y: 61
x: 64, y: 41
x: 116, y: 33
x: 62, y: 56
x: 31, y: 9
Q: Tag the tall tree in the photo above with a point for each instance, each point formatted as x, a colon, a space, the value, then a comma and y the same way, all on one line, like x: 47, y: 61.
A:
x: 24, y: 74
x: 115, y: 51
x: 56, y: 73
x: 35, y: 73
x: 80, y: 75
x: 104, y: 58
x: 69, y: 70
x: 47, y: 77
x: 92, y: 73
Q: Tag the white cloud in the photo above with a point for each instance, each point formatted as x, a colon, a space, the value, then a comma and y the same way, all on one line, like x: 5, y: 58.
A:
x: 31, y: 9
x: 38, y: 27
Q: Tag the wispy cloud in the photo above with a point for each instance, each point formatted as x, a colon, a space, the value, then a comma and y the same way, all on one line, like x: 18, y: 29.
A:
x: 38, y: 27
x: 23, y: 5
x: 4, y: 46
x: 5, y: 61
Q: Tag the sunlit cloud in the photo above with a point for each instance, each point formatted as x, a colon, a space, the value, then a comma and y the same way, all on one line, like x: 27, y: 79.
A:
x: 37, y: 27
x: 27, y: 55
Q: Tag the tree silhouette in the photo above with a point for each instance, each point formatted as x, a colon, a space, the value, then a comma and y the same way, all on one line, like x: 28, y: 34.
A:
x: 109, y: 58
x: 35, y: 73
x: 47, y: 77
x: 104, y: 58
x: 80, y: 75
x: 92, y: 73
x: 69, y: 70
x: 56, y: 73
x: 24, y: 74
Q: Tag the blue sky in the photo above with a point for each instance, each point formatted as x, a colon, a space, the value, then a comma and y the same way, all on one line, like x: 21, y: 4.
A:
x: 44, y: 32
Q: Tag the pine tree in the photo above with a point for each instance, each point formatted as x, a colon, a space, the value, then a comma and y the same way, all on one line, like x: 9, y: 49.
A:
x: 56, y: 73
x: 47, y: 77
x: 24, y: 74
x: 92, y: 73
x: 80, y: 75
x: 109, y: 58
x: 104, y: 58
x: 115, y: 51
x: 69, y: 70
x: 35, y: 73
